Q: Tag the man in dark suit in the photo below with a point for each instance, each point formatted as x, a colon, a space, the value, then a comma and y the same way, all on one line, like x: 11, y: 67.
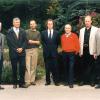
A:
x: 16, y: 39
x: 50, y: 40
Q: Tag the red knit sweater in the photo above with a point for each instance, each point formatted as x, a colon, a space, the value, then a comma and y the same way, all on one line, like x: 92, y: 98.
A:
x: 70, y: 43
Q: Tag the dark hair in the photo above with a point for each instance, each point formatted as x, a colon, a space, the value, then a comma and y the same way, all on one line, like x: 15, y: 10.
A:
x: 49, y: 20
x: 33, y: 20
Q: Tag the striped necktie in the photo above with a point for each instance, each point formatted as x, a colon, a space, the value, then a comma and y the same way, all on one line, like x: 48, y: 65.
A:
x: 17, y: 33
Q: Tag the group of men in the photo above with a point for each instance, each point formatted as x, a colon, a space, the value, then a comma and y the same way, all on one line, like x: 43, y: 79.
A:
x: 23, y: 51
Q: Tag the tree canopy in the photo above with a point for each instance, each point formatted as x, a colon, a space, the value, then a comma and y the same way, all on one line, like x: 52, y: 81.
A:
x: 62, y: 11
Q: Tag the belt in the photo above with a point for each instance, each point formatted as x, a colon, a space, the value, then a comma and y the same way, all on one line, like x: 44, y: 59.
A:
x: 86, y: 45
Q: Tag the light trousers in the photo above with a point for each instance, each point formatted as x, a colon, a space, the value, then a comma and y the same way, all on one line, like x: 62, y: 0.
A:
x: 31, y: 64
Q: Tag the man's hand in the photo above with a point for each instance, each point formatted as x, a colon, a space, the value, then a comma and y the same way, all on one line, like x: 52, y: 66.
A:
x: 76, y: 53
x: 19, y: 50
x: 34, y: 42
x: 30, y: 41
x: 95, y: 56
x: 80, y: 55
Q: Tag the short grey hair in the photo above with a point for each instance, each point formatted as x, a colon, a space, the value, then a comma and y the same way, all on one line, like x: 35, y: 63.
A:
x: 68, y: 25
x: 16, y: 18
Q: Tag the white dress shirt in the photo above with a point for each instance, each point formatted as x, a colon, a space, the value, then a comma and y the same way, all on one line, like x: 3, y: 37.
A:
x: 51, y: 33
x: 16, y: 30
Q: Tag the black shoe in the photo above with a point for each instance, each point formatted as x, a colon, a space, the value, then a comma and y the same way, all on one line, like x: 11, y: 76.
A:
x: 32, y: 83
x: 1, y: 88
x: 81, y: 84
x: 92, y: 84
x: 47, y: 84
x: 97, y: 87
x: 65, y: 84
x: 57, y: 84
x: 14, y: 86
x: 71, y: 86
x: 23, y: 86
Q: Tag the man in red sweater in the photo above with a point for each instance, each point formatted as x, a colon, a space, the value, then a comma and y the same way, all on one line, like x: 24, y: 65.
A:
x: 70, y: 47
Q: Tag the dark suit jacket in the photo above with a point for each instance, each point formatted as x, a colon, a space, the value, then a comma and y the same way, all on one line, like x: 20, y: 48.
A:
x: 14, y: 42
x: 50, y: 45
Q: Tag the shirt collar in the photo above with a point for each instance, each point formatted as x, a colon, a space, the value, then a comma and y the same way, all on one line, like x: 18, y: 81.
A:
x: 68, y: 34
x: 87, y: 28
x: 33, y: 30
x: 15, y: 29
x: 49, y: 30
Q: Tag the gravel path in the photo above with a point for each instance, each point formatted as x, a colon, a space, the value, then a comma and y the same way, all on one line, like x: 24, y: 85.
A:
x: 42, y: 92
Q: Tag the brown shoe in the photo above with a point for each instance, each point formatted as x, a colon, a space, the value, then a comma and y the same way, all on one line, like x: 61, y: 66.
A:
x: 23, y: 86
x: 32, y: 83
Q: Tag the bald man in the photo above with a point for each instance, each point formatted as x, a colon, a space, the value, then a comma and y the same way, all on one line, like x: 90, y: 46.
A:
x: 87, y: 37
x: 70, y: 47
x: 33, y: 41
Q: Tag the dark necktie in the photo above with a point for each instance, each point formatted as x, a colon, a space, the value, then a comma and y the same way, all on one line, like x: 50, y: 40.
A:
x: 50, y: 35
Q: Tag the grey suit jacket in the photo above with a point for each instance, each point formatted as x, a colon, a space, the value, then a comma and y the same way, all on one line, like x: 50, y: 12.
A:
x: 97, y: 43
x: 1, y: 44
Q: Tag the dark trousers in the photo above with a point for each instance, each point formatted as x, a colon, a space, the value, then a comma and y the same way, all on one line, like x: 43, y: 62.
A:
x: 69, y: 60
x: 1, y: 65
x: 51, y: 67
x: 98, y: 66
x: 96, y: 71
x: 87, y: 66
x: 19, y: 60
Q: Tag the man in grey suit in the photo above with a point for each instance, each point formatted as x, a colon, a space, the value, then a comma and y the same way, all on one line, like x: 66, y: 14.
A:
x: 97, y: 55
x: 1, y: 54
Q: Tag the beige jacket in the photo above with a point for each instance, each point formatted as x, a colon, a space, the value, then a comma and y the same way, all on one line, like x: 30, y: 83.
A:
x: 91, y: 39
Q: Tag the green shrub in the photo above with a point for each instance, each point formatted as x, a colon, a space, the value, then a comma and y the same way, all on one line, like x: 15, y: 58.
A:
x: 7, y: 75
